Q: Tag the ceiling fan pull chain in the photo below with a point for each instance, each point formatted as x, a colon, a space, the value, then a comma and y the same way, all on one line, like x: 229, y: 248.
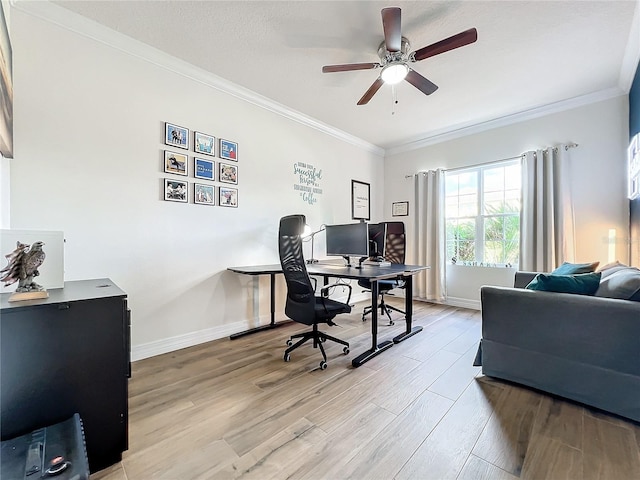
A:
x: 394, y: 99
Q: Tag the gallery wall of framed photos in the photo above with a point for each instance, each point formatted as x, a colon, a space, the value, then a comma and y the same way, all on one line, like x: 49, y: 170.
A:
x: 188, y: 155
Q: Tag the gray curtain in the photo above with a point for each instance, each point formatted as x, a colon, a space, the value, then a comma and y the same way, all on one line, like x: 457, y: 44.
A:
x: 428, y: 232
x: 546, y: 221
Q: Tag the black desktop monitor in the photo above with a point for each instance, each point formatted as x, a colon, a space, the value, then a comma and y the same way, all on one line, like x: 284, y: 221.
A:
x: 349, y: 240
x: 377, y: 239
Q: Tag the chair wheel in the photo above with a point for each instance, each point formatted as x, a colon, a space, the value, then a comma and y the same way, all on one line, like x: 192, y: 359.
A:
x: 289, y: 342
x: 323, y: 365
x: 345, y: 350
x: 287, y: 357
x: 391, y: 322
x: 364, y: 319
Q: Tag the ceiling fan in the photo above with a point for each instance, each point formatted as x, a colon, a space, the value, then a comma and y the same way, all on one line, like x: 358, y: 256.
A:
x: 395, y: 57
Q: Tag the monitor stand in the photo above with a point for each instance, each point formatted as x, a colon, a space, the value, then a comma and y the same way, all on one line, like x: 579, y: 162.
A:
x: 347, y: 259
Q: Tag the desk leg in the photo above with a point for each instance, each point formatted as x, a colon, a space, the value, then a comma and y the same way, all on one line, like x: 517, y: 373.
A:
x: 375, y: 348
x: 273, y: 323
x: 408, y: 303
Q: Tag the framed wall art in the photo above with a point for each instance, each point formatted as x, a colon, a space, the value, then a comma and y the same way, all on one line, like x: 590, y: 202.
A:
x: 228, y: 173
x: 176, y: 136
x: 228, y: 150
x: 399, y: 209
x: 203, y: 143
x: 203, y: 194
x: 175, y: 190
x: 228, y: 197
x: 203, y: 168
x: 360, y: 203
x: 175, y: 163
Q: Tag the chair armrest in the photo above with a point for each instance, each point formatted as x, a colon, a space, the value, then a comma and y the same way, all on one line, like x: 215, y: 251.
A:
x: 325, y: 289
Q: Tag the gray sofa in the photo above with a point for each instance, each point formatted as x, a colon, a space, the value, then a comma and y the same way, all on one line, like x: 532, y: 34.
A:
x: 584, y: 348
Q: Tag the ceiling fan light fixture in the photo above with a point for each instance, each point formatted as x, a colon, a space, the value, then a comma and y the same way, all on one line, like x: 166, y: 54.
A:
x: 394, y: 73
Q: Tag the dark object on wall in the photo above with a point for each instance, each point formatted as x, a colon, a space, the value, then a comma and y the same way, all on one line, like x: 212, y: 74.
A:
x: 64, y: 355
x: 6, y: 89
x: 634, y: 205
x: 53, y: 451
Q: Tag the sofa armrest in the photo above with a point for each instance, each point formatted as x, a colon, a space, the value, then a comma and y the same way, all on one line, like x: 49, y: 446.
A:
x: 523, y: 279
x: 591, y: 330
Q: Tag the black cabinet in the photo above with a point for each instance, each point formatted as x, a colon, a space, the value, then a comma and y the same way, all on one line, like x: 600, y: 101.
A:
x: 68, y: 354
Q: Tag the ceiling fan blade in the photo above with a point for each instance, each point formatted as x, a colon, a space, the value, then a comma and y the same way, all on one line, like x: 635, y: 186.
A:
x: 456, y: 41
x: 371, y: 92
x: 391, y: 26
x: 425, y: 86
x: 347, y: 67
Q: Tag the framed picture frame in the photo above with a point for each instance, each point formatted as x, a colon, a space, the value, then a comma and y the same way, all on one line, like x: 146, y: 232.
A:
x: 204, y: 168
x: 360, y: 200
x: 176, y: 190
x: 204, y: 194
x: 228, y: 173
x: 203, y: 143
x: 399, y: 209
x: 228, y: 197
x: 176, y: 136
x: 228, y: 150
x: 175, y: 163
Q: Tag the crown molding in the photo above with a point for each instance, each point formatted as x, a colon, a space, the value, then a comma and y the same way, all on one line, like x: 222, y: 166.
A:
x: 71, y: 21
x: 80, y: 25
x: 463, y: 130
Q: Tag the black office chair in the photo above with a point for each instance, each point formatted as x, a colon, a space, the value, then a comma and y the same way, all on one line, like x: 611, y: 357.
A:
x: 395, y: 245
x: 302, y: 304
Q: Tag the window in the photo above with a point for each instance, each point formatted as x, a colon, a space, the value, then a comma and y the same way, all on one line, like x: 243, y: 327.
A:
x: 482, y: 210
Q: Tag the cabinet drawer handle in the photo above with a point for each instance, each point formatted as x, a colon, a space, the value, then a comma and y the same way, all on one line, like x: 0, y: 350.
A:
x: 63, y: 306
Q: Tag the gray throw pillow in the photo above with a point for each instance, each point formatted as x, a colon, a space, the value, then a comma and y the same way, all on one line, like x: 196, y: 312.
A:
x: 623, y: 284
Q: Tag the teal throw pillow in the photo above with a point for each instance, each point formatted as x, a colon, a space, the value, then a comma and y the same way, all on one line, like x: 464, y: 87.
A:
x: 572, y: 268
x: 581, y: 284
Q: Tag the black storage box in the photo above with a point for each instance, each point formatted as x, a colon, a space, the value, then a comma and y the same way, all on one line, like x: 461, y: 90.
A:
x: 57, y: 451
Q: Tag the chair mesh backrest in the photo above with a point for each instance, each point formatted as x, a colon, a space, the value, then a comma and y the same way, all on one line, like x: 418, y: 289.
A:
x: 396, y: 244
x: 299, y: 288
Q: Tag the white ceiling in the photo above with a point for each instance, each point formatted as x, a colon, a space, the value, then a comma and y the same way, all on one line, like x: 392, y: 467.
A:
x: 529, y: 54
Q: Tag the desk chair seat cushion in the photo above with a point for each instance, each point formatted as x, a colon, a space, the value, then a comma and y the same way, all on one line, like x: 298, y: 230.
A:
x: 324, y: 310
x: 383, y: 285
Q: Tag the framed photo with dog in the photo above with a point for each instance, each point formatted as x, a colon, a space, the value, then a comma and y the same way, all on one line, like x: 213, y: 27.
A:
x: 175, y: 163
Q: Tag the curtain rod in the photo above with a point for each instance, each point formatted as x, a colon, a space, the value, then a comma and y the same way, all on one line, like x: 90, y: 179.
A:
x: 566, y: 147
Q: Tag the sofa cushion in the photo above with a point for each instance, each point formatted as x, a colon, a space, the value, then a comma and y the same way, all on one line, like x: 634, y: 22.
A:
x: 611, y: 268
x: 623, y: 283
x: 581, y: 284
x: 572, y: 268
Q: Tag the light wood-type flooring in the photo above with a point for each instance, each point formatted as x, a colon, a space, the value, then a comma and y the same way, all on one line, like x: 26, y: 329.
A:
x: 234, y: 409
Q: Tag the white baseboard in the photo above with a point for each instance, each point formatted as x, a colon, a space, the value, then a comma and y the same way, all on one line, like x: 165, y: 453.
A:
x: 463, y: 303
x: 166, y: 345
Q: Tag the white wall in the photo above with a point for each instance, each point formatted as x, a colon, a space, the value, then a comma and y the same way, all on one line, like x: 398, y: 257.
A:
x: 89, y: 124
x: 597, y: 172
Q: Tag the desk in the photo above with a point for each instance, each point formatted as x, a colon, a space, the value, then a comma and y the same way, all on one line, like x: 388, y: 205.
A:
x: 373, y: 273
